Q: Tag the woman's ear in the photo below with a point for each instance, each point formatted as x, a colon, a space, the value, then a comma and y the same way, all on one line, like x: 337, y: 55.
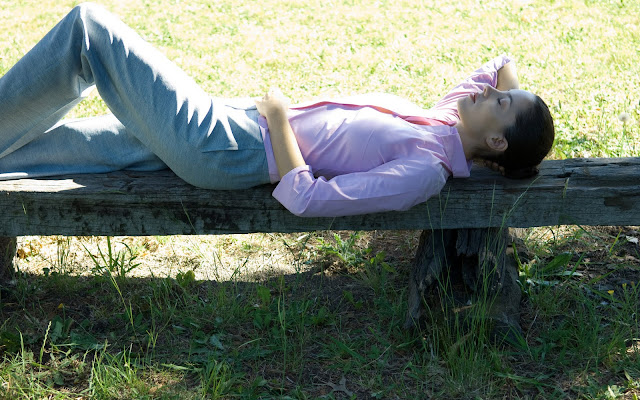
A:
x: 497, y: 142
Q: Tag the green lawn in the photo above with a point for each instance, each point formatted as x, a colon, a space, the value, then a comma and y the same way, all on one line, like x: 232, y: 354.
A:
x: 322, y: 317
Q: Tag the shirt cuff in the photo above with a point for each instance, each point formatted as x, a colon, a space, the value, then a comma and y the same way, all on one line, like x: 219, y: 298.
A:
x: 292, y: 185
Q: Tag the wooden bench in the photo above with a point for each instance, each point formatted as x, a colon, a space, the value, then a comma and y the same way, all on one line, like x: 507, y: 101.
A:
x: 466, y: 224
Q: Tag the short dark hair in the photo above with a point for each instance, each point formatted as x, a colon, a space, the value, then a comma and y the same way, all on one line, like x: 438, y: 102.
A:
x: 529, y: 140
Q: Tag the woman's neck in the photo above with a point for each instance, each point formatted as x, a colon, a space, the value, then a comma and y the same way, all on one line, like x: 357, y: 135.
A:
x: 469, y: 145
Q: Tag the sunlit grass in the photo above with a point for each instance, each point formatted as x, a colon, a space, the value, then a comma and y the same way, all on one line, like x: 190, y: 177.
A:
x: 581, y: 56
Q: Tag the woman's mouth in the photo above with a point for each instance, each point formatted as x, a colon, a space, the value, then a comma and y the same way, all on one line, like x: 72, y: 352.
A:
x: 473, y: 97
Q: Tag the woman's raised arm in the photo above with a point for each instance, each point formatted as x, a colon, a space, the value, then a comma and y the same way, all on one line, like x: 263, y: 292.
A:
x: 507, y: 77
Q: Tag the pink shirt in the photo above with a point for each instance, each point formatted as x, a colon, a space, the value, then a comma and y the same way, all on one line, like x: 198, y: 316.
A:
x: 374, y: 152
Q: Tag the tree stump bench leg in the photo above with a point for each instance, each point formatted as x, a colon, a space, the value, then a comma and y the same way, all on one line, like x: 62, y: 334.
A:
x: 7, y: 252
x: 478, y: 268
x: 432, y: 255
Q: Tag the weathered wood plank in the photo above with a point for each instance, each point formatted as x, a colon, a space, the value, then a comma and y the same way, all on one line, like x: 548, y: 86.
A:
x: 577, y: 191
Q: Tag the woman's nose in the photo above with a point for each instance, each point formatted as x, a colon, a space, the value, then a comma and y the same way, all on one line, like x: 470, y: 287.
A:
x: 488, y: 91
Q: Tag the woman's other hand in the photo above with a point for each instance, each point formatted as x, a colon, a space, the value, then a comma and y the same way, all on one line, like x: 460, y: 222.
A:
x: 273, y: 101
x: 273, y: 106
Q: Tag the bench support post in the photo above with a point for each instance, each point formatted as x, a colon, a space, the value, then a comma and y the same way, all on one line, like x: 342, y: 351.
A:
x: 7, y: 252
x: 473, y: 267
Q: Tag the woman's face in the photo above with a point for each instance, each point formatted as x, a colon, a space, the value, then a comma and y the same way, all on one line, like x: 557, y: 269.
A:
x: 492, y: 111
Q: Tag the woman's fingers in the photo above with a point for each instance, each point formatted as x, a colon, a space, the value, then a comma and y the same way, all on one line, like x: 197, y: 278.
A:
x: 274, y: 99
x: 491, y: 165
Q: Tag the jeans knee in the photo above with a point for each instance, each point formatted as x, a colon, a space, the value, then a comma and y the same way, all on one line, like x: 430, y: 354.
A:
x: 89, y: 11
x: 88, y: 8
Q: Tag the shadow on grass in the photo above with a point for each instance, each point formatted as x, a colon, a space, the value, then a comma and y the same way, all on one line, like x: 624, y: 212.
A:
x: 305, y: 335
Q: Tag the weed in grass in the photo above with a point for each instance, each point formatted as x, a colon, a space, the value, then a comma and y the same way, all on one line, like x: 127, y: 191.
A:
x: 348, y: 295
x: 210, y: 257
x: 369, y: 268
x: 550, y: 274
x: 117, y: 377
x: 217, y: 379
x: 60, y: 264
x: 113, y: 264
x: 345, y: 250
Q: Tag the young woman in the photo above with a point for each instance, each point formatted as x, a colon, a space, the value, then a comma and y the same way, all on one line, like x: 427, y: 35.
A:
x: 334, y: 157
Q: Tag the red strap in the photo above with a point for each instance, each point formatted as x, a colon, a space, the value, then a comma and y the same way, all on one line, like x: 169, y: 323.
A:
x: 411, y: 119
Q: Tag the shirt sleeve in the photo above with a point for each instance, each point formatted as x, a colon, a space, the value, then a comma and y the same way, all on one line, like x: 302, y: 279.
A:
x: 447, y: 107
x: 397, y: 185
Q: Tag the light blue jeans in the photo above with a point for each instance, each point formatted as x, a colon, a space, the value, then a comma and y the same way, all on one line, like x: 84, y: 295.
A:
x: 160, y: 117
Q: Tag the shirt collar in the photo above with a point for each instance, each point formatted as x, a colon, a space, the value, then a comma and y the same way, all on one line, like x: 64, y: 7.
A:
x: 460, y: 166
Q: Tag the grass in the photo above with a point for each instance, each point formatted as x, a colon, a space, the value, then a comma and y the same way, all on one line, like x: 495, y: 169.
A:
x: 313, y: 315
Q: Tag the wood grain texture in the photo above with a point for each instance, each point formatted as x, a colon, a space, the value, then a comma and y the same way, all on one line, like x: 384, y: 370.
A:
x: 576, y: 191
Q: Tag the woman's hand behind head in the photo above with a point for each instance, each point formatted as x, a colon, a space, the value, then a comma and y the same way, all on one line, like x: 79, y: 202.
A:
x: 518, y: 173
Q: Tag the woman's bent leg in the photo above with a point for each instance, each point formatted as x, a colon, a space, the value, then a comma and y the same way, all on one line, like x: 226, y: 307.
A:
x: 156, y: 101
x: 87, y: 145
